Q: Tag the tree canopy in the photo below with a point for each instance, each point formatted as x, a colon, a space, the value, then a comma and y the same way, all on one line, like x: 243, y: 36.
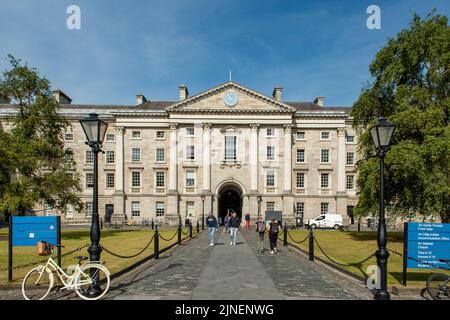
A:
x: 33, y: 164
x: 409, y: 86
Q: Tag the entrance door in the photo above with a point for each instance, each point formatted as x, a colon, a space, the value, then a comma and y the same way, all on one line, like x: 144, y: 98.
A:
x: 109, y: 210
x: 230, y: 198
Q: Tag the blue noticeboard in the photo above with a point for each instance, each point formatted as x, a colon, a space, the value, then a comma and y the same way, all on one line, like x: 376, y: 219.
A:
x: 428, y: 242
x: 27, y: 231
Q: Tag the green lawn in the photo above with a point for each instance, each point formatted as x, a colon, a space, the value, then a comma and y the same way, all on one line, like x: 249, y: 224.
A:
x: 123, y: 242
x: 348, y: 247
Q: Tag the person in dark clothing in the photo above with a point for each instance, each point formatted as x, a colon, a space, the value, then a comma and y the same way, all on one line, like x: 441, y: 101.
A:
x: 234, y: 224
x: 247, y: 220
x: 260, y: 228
x: 211, y: 222
x: 274, y: 229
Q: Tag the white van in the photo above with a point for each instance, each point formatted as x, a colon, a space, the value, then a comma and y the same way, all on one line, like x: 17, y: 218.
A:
x: 327, y: 220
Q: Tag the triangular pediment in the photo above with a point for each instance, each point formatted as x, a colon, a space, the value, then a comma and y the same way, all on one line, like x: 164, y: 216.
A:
x: 214, y: 100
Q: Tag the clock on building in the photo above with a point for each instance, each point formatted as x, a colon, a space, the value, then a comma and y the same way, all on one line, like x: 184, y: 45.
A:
x: 230, y: 98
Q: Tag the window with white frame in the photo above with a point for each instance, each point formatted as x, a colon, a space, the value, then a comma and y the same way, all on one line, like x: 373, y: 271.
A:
x: 190, y: 152
x: 68, y: 136
x: 190, y: 131
x: 270, y: 132
x: 189, y: 209
x: 300, y: 179
x: 160, y: 179
x: 135, y: 134
x: 350, y: 182
x: 110, y: 179
x: 325, y: 155
x: 300, y: 155
x: 89, y: 207
x: 325, y: 135
x: 89, y: 159
x: 160, y: 209
x: 350, y: 138
x: 270, y: 206
x: 110, y: 137
x: 300, y: 135
x: 135, y: 208
x: 324, y: 207
x: 350, y: 158
x: 160, y: 156
x: 136, y: 154
x: 190, y: 178
x: 110, y: 157
x: 89, y: 183
x: 135, y: 179
x: 324, y: 180
x: 68, y: 155
x: 270, y: 154
x: 160, y: 135
x: 270, y: 178
x: 230, y: 148
x: 300, y: 209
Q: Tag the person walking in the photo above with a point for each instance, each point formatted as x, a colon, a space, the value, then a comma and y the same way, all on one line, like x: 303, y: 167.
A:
x: 260, y: 228
x: 274, y: 229
x: 247, y: 220
x: 226, y: 221
x: 234, y: 224
x: 211, y: 222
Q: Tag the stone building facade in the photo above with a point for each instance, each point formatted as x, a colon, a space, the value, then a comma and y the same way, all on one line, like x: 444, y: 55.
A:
x: 225, y: 148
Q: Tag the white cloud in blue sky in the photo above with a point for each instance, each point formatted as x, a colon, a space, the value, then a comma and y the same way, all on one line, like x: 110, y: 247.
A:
x: 127, y: 47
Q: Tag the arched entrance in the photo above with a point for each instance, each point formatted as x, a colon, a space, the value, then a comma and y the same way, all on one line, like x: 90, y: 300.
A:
x: 230, y: 198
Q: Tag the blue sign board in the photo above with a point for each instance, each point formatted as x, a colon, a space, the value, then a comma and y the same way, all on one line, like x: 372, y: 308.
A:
x: 27, y: 231
x: 428, y: 242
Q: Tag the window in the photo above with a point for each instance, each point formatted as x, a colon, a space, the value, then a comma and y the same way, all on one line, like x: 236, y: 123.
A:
x: 270, y: 153
x: 160, y: 175
x: 68, y: 136
x: 350, y: 158
x: 89, y: 157
x: 324, y: 180
x: 110, y: 137
x: 190, y: 152
x: 110, y: 157
x: 135, y: 208
x: 160, y: 135
x: 300, y: 179
x: 136, y: 154
x: 350, y: 139
x: 300, y: 155
x: 89, y: 180
x: 300, y: 209
x: 135, y: 134
x: 300, y: 135
x: 110, y: 180
x: 324, y: 207
x: 325, y: 135
x: 270, y: 179
x: 89, y: 207
x: 135, y: 179
x: 190, y: 178
x: 350, y: 182
x: 270, y: 132
x: 325, y: 155
x: 189, y: 209
x: 190, y: 131
x: 230, y: 148
x: 160, y: 210
x: 270, y: 206
x: 160, y: 155
x: 68, y: 154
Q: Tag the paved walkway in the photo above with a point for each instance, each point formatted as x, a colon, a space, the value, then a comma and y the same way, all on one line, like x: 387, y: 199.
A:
x: 225, y: 272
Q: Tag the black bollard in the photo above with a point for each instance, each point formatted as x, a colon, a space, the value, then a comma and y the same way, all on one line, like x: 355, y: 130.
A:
x: 156, y: 243
x: 198, y: 227
x: 190, y: 229
x: 285, y: 235
x: 153, y: 225
x: 179, y: 234
x: 311, y: 245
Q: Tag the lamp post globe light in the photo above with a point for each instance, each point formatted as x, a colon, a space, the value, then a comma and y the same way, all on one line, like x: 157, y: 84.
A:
x: 203, y: 211
x: 95, y: 130
x: 381, y: 134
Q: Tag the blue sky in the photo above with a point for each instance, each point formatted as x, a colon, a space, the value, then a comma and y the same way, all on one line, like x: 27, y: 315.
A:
x: 309, y: 47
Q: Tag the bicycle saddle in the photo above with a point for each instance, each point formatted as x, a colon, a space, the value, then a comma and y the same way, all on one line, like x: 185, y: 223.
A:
x: 81, y: 258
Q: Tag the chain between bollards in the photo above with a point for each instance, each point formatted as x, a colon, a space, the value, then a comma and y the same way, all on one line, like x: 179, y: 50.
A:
x: 156, y: 244
x: 311, y: 244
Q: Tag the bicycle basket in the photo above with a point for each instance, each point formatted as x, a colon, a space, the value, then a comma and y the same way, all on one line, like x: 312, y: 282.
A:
x: 44, y: 248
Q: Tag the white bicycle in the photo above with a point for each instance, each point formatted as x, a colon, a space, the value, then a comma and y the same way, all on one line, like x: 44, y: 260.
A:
x: 90, y: 281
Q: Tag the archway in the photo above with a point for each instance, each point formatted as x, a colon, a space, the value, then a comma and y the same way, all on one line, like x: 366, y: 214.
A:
x: 230, y: 198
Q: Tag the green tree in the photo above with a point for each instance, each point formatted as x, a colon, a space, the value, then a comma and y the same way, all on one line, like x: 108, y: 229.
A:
x: 410, y: 86
x: 34, y: 167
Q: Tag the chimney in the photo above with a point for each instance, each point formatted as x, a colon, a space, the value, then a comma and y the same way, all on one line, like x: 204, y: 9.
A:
x: 140, y: 99
x: 61, y: 97
x: 320, y: 101
x: 183, y: 92
x: 277, y: 93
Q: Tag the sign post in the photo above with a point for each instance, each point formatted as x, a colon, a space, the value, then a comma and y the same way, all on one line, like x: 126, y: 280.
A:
x: 10, y: 249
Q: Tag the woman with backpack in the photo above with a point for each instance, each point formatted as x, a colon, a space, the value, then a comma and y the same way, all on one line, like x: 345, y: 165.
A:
x: 260, y: 228
x: 274, y: 228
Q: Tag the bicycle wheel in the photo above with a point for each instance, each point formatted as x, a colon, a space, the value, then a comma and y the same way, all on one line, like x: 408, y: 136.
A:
x: 37, y: 283
x: 438, y: 286
x: 85, y: 286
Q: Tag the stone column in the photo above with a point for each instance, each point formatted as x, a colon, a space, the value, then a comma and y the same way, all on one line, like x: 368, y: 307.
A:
x: 119, y: 194
x: 341, y: 187
x: 253, y: 158
x: 206, y: 158
x: 287, y: 158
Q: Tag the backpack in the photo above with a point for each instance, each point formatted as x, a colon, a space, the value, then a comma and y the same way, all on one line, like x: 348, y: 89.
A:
x: 261, y: 226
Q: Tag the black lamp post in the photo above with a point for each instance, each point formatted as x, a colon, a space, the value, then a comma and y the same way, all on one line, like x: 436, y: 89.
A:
x: 95, y: 130
x: 381, y: 135
x: 259, y: 199
x: 203, y: 211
